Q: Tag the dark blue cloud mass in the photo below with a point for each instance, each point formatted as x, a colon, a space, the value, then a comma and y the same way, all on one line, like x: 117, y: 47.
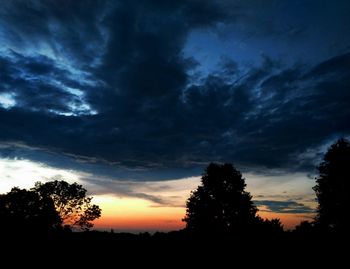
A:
x: 116, y: 84
x: 284, y: 207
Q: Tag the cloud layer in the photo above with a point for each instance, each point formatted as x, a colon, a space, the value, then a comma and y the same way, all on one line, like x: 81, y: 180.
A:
x: 284, y: 207
x: 108, y: 83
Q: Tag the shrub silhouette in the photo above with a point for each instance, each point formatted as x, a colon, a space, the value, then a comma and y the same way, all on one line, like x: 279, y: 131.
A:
x: 305, y: 227
x: 269, y: 226
x: 220, y: 203
x: 332, y: 188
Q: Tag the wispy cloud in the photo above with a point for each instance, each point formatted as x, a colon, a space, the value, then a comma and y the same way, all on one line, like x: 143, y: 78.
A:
x: 283, y: 207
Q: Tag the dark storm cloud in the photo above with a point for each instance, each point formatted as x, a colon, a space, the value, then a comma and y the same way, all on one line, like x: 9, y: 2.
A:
x: 284, y: 207
x: 69, y: 28
x: 143, y: 64
x: 104, y: 82
x: 273, y: 112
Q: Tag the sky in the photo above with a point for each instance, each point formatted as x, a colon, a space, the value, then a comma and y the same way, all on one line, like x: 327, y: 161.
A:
x: 133, y: 99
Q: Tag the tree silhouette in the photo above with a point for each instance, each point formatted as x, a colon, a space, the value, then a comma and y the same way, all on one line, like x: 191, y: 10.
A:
x: 25, y: 211
x: 269, y: 226
x: 220, y: 203
x: 70, y: 202
x: 332, y: 188
x: 304, y: 228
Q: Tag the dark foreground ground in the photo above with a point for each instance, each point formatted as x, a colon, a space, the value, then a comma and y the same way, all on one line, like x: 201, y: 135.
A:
x: 175, y: 249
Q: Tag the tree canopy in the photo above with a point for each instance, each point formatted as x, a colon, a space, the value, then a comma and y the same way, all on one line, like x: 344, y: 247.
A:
x: 71, y: 203
x: 220, y: 203
x: 46, y: 207
x: 25, y: 211
x: 332, y: 187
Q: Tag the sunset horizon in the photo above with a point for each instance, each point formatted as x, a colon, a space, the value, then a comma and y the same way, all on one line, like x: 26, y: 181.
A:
x: 165, y: 206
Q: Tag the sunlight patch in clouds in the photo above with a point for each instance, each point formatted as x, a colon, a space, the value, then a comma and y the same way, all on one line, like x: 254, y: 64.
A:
x: 7, y: 100
x: 24, y: 173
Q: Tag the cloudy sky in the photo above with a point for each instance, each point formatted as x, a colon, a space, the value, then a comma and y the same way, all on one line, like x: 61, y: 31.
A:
x: 134, y: 98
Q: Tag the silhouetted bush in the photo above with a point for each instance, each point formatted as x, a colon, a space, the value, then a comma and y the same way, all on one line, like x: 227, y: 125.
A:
x: 268, y: 227
x: 304, y: 228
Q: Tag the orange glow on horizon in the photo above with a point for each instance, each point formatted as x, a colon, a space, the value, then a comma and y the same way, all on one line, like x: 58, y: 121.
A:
x: 289, y: 220
x: 132, y: 214
x: 135, y: 214
x: 139, y: 224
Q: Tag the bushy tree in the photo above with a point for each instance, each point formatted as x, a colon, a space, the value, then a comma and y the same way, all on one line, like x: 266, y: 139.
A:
x: 332, y: 188
x: 220, y: 203
x: 25, y: 211
x: 71, y: 203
